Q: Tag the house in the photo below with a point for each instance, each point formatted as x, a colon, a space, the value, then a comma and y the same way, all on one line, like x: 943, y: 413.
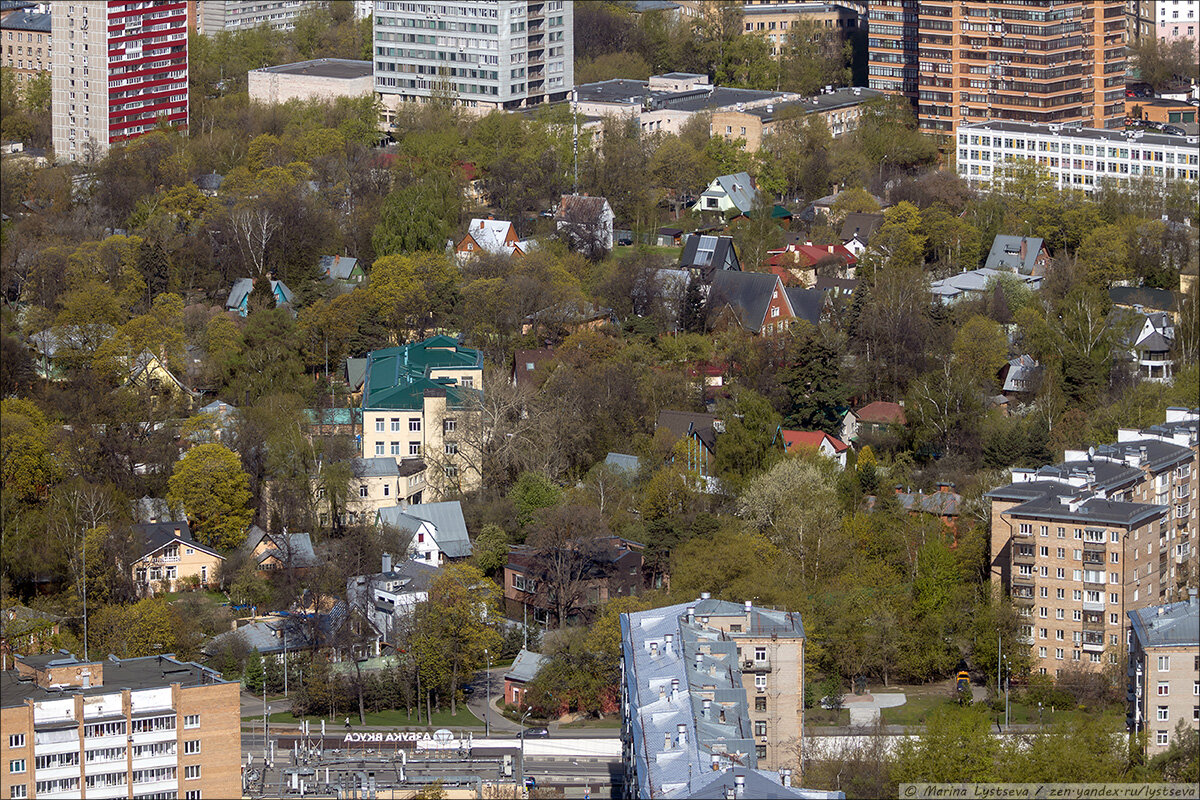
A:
x: 700, y: 431
x: 148, y: 372
x: 279, y: 635
x: 943, y: 504
x: 668, y: 237
x: 797, y: 263
x: 973, y: 283
x: 1150, y: 339
x: 823, y: 206
x: 276, y: 551
x: 703, y: 256
x: 55, y: 349
x: 343, y: 269
x: 215, y: 422
x: 760, y: 303
x: 26, y: 631
x: 1020, y: 377
x: 239, y: 295
x: 210, y: 184
x: 529, y: 366
x: 874, y: 417
x: 836, y: 288
x: 568, y: 317
x: 623, y: 463
x: 423, y: 400
x: 1025, y: 255
x: 601, y: 569
x: 353, y: 373
x: 168, y: 557
x: 729, y: 195
x: 391, y: 594
x: 497, y: 237
x: 585, y: 222
x: 438, y: 530
x: 857, y: 230
x: 376, y: 483
x: 820, y: 441
x: 524, y: 669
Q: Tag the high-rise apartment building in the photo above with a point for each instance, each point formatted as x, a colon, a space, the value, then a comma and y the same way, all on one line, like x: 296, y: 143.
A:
x: 973, y: 60
x: 130, y: 728
x: 1176, y: 20
x: 481, y: 53
x: 1080, y: 544
x: 119, y: 68
x: 1164, y: 671
x: 239, y: 15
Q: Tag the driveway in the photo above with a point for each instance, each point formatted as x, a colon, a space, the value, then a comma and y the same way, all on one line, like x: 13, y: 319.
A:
x: 477, y: 702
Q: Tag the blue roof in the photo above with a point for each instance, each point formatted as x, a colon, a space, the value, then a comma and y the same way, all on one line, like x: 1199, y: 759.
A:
x: 623, y: 462
x: 243, y: 286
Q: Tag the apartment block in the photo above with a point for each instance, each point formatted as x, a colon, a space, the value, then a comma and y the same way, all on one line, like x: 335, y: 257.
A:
x: 1178, y: 20
x: 118, y: 728
x: 1075, y: 157
x: 25, y: 50
x: 963, y: 61
x: 238, y: 15
x: 1164, y: 671
x: 713, y: 697
x: 119, y: 69
x: 422, y: 401
x: 484, y: 54
x: 774, y: 19
x: 1079, y: 544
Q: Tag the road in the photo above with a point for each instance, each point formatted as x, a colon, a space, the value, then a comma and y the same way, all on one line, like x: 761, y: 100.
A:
x: 501, y: 725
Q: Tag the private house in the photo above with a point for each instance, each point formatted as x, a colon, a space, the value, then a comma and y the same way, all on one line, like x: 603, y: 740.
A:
x: 421, y: 400
x: 943, y: 504
x: 1020, y: 378
x: 55, y: 349
x: 524, y: 669
x: 760, y: 303
x: 700, y: 432
x: 168, y: 557
x: 210, y: 184
x: 280, y: 551
x: 820, y: 441
x: 491, y: 236
x: 376, y: 483
x: 529, y: 366
x: 439, y: 532
x: 857, y: 230
x: 1150, y: 339
x: 215, y: 422
x: 585, y: 222
x: 729, y: 195
x: 1144, y: 299
x: 836, y: 288
x: 341, y: 269
x: 279, y: 635
x: 877, y: 417
x: 150, y: 374
x: 973, y: 283
x: 239, y: 295
x: 391, y: 594
x: 26, y: 631
x: 797, y: 263
x: 600, y: 570
x: 823, y: 206
x: 567, y: 317
x: 704, y: 256
x: 1024, y: 255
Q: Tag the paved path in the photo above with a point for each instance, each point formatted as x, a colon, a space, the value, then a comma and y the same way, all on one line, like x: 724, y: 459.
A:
x: 478, y: 704
x: 864, y: 708
x: 253, y: 706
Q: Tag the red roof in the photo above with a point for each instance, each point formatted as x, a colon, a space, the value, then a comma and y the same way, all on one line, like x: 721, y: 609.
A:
x: 810, y: 254
x: 882, y: 413
x: 811, y: 439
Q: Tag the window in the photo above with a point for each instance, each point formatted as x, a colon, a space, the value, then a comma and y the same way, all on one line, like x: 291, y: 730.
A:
x: 379, y: 448
x: 191, y: 721
x: 760, y: 704
x: 395, y: 423
x: 414, y: 424
x: 362, y: 491
x: 191, y: 746
x: 1164, y: 688
x: 760, y: 682
x: 1058, y: 653
x: 1160, y: 737
x: 16, y: 740
x: 467, y: 381
x: 16, y: 765
x: 1163, y: 714
x: 19, y: 790
x: 395, y: 448
x: 414, y: 448
x: 760, y: 727
x: 760, y: 750
x: 191, y: 772
x: 192, y: 794
x: 379, y: 425
x: 1164, y: 663
x: 449, y: 425
x: 387, y: 490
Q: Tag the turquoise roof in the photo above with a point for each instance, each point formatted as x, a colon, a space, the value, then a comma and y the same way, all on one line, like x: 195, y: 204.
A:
x: 398, y: 377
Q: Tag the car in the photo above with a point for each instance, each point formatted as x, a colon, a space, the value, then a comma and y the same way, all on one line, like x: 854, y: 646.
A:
x: 535, y: 733
x: 468, y: 690
x: 1174, y: 130
x: 625, y: 241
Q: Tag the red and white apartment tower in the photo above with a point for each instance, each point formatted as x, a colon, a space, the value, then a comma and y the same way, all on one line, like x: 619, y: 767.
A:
x: 122, y: 68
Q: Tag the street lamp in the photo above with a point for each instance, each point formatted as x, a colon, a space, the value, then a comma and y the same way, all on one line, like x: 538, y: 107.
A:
x: 487, y: 710
x: 521, y: 771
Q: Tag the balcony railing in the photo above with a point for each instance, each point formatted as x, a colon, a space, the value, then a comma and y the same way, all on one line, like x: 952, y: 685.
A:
x: 756, y: 665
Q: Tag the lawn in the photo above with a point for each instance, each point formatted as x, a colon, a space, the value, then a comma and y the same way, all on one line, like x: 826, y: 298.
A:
x: 211, y: 595
x: 915, y: 709
x: 397, y: 718
x: 822, y: 717
x: 590, y: 722
x: 631, y: 250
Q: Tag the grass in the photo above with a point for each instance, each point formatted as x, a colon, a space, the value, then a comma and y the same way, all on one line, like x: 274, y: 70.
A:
x: 915, y: 709
x: 589, y: 722
x: 632, y: 250
x: 822, y: 717
x: 395, y: 718
x: 213, y: 596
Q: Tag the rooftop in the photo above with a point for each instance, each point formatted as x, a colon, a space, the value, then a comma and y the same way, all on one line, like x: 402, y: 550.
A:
x: 148, y: 672
x: 398, y: 377
x: 1070, y: 131
x: 26, y: 20
x: 340, y: 68
x: 1172, y: 625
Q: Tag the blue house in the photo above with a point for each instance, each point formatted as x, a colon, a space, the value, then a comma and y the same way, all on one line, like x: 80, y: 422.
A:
x: 239, y: 295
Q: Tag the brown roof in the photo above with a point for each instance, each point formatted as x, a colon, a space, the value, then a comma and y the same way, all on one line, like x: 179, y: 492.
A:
x: 580, y: 206
x: 882, y: 412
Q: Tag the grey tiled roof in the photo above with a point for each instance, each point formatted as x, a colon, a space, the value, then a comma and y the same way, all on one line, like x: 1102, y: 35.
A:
x: 1172, y: 625
x: 748, y: 294
x: 526, y: 666
x: 377, y: 467
x: 1006, y: 253
x: 738, y: 188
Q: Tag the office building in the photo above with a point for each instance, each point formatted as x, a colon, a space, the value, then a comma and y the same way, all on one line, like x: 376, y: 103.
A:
x: 119, y: 70
x: 323, y: 79
x: 134, y: 727
x: 239, y: 15
x: 479, y: 53
x: 1080, y: 544
x: 25, y: 36
x: 713, y: 699
x: 1164, y: 671
x: 963, y: 61
x: 1076, y: 158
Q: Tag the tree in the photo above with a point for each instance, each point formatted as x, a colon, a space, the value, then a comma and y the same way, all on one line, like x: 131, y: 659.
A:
x: 1104, y: 255
x: 414, y: 291
x: 254, y: 675
x: 744, y: 449
x: 145, y: 628
x: 1159, y: 62
x: 420, y: 215
x: 812, y: 57
x: 209, y: 482
x: 567, y: 552
x: 981, y: 348
x: 27, y: 463
x: 531, y: 492
x: 491, y: 548
x: 956, y: 746
x: 815, y: 394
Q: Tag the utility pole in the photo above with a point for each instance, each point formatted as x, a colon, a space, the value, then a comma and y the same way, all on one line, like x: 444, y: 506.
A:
x: 487, y: 711
x: 85, y: 625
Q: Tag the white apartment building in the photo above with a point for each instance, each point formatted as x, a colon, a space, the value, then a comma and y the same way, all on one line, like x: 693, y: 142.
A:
x: 486, y: 54
x: 1077, y: 158
x: 238, y: 15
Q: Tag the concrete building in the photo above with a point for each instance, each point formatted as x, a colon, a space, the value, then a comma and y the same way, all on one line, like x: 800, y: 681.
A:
x: 841, y: 109
x: 119, y: 70
x: 319, y: 79
x: 962, y: 61
x: 1080, y: 544
x: 239, y: 15
x: 486, y: 55
x: 1076, y: 158
x: 134, y: 727
x: 1164, y: 671
x: 421, y: 400
x: 689, y: 725
x: 25, y: 50
x: 1176, y: 20
x: 774, y: 19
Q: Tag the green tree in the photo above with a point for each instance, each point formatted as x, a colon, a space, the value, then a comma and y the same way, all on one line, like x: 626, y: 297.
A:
x: 812, y: 57
x: 491, y: 549
x: 422, y: 214
x: 27, y: 462
x: 981, y: 348
x: 816, y: 397
x: 957, y: 746
x: 145, y: 628
x: 209, y: 482
x: 254, y: 674
x: 744, y: 449
x: 414, y: 291
x: 1104, y: 255
x: 1158, y: 62
x: 531, y: 492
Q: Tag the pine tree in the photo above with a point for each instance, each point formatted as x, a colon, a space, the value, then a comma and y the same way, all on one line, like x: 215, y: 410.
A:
x: 254, y: 674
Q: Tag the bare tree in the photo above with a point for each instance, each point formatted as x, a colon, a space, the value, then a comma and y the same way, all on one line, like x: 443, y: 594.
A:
x: 568, y: 553
x: 254, y: 228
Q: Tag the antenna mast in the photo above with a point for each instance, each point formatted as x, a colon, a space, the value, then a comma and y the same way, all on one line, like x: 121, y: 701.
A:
x: 575, y: 119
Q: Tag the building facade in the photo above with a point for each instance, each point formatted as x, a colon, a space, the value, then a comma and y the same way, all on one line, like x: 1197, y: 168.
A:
x: 963, y: 61
x: 712, y: 691
x: 169, y: 559
x: 25, y: 50
x: 135, y: 727
x: 119, y: 70
x: 1080, y: 544
x: 1076, y: 158
x: 483, y: 54
x: 323, y: 79
x: 239, y: 15
x: 1176, y: 20
x: 1164, y: 671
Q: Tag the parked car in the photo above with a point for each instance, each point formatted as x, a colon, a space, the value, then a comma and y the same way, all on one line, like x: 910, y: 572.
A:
x: 535, y: 733
x: 1174, y: 130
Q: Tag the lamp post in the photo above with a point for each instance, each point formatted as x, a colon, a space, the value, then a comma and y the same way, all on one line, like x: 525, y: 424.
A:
x: 521, y: 771
x: 487, y: 710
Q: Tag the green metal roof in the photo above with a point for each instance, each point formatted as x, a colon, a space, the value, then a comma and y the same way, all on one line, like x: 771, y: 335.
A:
x: 398, y: 377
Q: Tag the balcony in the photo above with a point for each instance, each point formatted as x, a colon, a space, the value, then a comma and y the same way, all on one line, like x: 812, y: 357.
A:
x: 756, y: 665
x: 1093, y: 605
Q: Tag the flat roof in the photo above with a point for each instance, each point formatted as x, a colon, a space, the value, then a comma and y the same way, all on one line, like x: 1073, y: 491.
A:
x: 839, y: 98
x: 149, y: 672
x: 341, y: 68
x: 1094, y: 134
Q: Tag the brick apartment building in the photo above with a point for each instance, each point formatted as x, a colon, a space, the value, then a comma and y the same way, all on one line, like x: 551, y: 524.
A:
x: 1164, y: 671
x: 135, y: 727
x: 1080, y: 544
x: 972, y: 60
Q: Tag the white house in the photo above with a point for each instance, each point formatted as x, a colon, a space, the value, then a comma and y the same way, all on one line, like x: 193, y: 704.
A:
x: 388, y: 596
x: 588, y: 220
x: 438, y: 530
x: 726, y: 193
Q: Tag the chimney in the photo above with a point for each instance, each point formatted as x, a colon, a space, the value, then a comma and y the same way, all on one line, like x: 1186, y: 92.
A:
x: 667, y: 740
x: 387, y: 563
x: 899, y: 489
x: 739, y: 786
x: 707, y: 706
x: 699, y: 660
x: 749, y: 616
x: 944, y: 488
x: 674, y: 688
x: 705, y: 595
x: 691, y: 614
x: 667, y: 646
x: 716, y: 762
x: 1142, y: 453
x: 179, y: 532
x: 681, y: 735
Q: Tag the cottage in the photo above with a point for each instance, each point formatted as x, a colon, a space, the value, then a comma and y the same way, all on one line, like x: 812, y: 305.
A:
x: 280, y: 551
x: 874, y: 417
x: 1024, y: 255
x: 439, y: 532
x: 391, y: 594
x: 491, y: 236
x: 341, y: 269
x: 703, y: 256
x: 168, y: 557
x: 857, y: 230
x: 586, y: 223
x: 239, y: 295
x: 700, y: 431
x: 729, y: 194
x: 820, y: 441
x: 524, y: 669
